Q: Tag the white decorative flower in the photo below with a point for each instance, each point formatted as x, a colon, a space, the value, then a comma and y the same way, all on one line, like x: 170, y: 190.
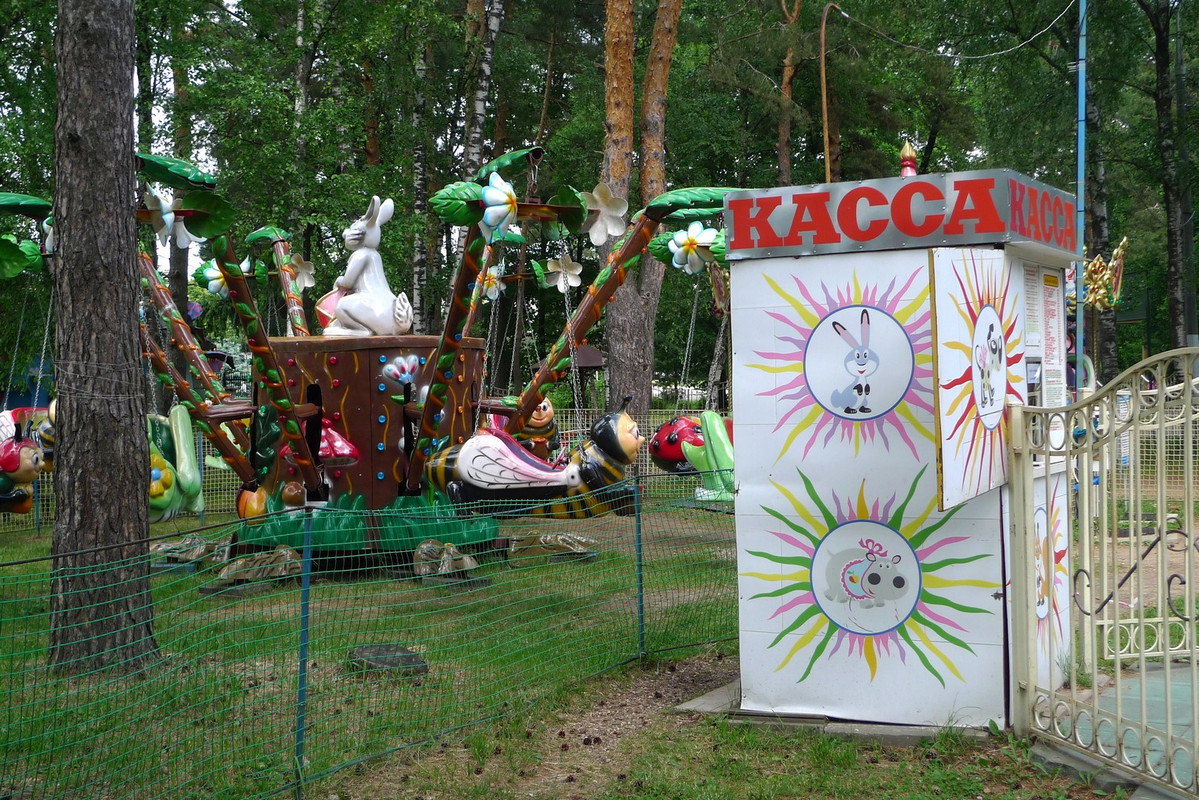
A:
x: 686, y: 246
x: 499, y: 198
x: 612, y: 209
x: 563, y: 272
x: 216, y: 281
x: 162, y: 219
x: 183, y: 237
x: 48, y: 230
x: 305, y: 279
x: 492, y: 281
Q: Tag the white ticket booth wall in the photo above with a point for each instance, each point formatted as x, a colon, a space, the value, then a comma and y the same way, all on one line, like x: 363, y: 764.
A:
x: 879, y: 329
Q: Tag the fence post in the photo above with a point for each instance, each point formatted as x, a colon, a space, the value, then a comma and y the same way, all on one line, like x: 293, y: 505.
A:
x: 1022, y: 560
x: 302, y: 689
x: 640, y: 576
x: 37, y: 507
x: 200, y: 466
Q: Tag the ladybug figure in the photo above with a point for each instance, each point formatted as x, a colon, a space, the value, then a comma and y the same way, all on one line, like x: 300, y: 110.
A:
x: 666, y: 445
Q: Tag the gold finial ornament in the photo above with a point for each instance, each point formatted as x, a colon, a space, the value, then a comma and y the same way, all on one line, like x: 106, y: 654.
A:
x: 907, y: 160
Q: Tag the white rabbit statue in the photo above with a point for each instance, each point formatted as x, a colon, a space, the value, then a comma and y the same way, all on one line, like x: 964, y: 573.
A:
x: 365, y: 304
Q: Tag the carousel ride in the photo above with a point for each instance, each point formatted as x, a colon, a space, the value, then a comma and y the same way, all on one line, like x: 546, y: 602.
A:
x: 365, y: 417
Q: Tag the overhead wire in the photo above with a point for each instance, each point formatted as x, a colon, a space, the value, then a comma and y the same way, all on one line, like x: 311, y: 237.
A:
x: 940, y: 54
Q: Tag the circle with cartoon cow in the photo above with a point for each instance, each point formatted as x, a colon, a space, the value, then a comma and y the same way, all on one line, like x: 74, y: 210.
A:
x: 858, y: 363
x: 865, y: 577
x: 988, y: 367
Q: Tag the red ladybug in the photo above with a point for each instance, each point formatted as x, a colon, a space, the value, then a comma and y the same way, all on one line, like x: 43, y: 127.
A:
x: 666, y: 445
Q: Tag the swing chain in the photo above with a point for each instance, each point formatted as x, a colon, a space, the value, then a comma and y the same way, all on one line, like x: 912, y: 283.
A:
x: 13, y: 367
x: 678, y: 398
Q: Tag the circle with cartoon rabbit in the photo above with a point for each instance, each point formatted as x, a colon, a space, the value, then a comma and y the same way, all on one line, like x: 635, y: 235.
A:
x: 865, y: 577
x: 988, y: 367
x: 858, y: 363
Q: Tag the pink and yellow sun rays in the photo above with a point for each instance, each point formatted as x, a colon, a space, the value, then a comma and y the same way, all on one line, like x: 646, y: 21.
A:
x: 931, y: 627
x: 1051, y: 627
x: 806, y: 417
x: 981, y: 288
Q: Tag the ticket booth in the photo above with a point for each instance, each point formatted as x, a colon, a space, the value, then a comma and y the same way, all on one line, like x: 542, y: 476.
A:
x: 879, y: 329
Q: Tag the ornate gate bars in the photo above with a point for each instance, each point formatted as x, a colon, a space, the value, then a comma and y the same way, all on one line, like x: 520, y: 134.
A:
x: 1104, y: 570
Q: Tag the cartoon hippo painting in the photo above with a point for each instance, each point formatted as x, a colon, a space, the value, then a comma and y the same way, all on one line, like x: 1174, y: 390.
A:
x: 865, y: 575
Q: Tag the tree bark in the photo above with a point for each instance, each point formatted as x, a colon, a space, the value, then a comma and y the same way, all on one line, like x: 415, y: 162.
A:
x: 482, y: 38
x: 1158, y: 13
x: 420, y: 200
x: 101, y: 609
x: 1107, y: 357
x: 790, y: 15
x: 618, y: 96
x: 631, y: 317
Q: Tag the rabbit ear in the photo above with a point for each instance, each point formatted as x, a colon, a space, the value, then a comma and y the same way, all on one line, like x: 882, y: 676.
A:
x: 372, y: 211
x: 844, y: 334
x: 385, y: 211
x: 865, y: 328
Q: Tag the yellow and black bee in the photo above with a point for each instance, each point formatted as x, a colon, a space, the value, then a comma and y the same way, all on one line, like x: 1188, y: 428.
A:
x: 492, y: 471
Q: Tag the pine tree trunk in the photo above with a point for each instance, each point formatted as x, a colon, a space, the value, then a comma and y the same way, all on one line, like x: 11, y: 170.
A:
x: 101, y: 610
x: 790, y: 15
x: 631, y: 316
x: 618, y: 96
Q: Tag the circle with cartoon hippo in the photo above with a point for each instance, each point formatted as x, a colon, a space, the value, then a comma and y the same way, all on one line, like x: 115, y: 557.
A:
x: 858, y: 363
x: 865, y: 577
x: 988, y: 367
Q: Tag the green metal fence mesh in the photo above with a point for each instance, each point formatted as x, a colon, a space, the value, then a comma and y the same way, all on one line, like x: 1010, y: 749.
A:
x: 263, y: 685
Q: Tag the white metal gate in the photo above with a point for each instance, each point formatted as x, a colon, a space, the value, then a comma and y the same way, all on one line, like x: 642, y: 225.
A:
x: 1103, y: 592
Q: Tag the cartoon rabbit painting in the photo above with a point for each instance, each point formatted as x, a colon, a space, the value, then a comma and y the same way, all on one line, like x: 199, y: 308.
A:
x: 990, y: 362
x: 860, y: 362
x: 365, y: 305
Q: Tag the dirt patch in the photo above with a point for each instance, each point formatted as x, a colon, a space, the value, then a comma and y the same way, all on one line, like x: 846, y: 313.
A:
x: 586, y: 745
x: 575, y: 751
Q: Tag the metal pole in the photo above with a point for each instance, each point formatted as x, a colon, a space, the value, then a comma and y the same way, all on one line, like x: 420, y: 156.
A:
x: 302, y: 689
x: 1080, y: 287
x: 828, y: 167
x: 640, y: 575
x: 1188, y: 213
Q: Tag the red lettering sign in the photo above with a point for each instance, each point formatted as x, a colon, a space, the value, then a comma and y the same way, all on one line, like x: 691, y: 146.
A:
x: 975, y: 201
x: 748, y: 214
x: 1016, y: 219
x: 901, y: 209
x: 847, y: 213
x: 811, y: 216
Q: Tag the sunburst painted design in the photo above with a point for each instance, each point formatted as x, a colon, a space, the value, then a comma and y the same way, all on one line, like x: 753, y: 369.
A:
x: 973, y: 398
x: 1051, y: 571
x: 862, y: 578
x: 817, y: 325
